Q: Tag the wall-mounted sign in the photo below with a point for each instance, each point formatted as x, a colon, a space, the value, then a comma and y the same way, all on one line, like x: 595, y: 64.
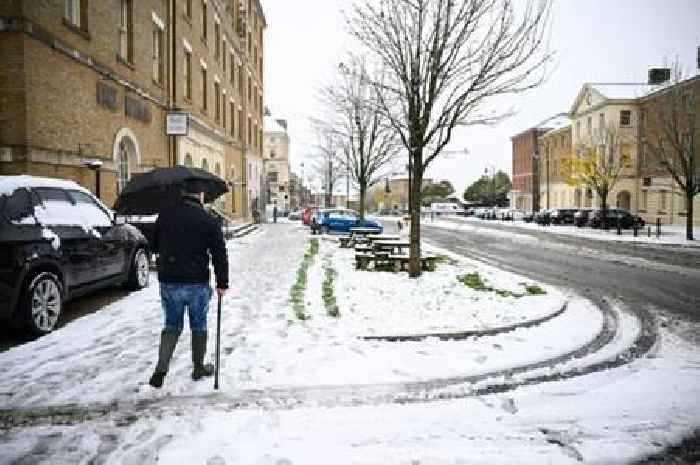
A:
x: 176, y: 124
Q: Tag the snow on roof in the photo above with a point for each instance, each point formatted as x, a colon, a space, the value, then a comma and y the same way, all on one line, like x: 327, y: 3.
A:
x: 272, y: 125
x: 621, y: 90
x: 9, y: 184
x: 558, y: 121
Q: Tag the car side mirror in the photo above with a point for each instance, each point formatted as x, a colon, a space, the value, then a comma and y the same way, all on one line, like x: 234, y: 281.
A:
x: 119, y: 220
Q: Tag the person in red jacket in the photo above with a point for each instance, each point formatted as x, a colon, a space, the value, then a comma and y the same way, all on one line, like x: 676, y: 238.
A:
x: 184, y: 239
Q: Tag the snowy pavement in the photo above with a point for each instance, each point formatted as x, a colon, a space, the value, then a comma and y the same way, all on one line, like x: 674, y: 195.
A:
x: 584, y: 384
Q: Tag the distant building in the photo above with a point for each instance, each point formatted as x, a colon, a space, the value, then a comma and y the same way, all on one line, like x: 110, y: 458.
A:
x: 276, y: 159
x: 525, y: 193
x: 555, y: 149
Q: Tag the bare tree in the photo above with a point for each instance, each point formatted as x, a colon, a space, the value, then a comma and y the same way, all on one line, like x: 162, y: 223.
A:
x: 368, y: 142
x: 443, y: 61
x: 327, y: 163
x: 671, y: 132
x: 599, y: 164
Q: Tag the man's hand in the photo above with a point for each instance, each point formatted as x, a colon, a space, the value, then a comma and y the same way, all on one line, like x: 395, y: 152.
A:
x: 221, y: 291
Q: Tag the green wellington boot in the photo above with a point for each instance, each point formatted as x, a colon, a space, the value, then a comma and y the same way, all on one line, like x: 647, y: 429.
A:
x: 199, y: 348
x: 168, y: 341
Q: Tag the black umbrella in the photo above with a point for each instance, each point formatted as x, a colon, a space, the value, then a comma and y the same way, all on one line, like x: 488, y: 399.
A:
x: 151, y: 192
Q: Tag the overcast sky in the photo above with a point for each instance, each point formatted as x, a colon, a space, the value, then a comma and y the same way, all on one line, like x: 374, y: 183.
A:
x: 594, y: 41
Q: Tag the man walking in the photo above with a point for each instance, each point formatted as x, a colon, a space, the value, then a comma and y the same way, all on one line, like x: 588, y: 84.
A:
x: 185, y: 236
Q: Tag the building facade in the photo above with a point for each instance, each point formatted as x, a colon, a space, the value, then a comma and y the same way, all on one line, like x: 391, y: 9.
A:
x: 555, y: 149
x: 660, y: 196
x: 609, y: 107
x: 97, y: 79
x: 276, y: 159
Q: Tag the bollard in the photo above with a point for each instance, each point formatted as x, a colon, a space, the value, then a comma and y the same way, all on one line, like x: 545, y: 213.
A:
x: 619, y: 230
x: 658, y: 227
x: 635, y: 229
x: 649, y: 231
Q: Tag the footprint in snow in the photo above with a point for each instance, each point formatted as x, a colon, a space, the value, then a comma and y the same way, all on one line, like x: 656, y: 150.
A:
x: 509, y: 406
x: 481, y: 359
x: 216, y: 460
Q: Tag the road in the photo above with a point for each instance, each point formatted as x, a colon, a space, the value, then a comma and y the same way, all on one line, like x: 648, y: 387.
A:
x: 663, y: 278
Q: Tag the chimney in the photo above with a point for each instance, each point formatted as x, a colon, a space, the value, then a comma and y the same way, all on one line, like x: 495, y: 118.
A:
x: 659, y: 75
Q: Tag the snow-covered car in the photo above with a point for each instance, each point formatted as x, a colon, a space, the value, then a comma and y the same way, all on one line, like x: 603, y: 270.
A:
x: 294, y: 215
x: 57, y: 242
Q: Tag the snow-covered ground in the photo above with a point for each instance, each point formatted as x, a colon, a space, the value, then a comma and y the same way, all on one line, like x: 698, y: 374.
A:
x: 318, y: 392
x: 670, y: 234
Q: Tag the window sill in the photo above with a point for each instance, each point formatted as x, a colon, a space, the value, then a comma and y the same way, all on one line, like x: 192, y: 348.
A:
x: 642, y: 211
x: 157, y: 84
x: 125, y: 62
x: 77, y: 30
x: 682, y: 214
x: 661, y: 213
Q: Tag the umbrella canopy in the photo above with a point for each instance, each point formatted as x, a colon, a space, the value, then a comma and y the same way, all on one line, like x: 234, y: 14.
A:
x: 149, y: 193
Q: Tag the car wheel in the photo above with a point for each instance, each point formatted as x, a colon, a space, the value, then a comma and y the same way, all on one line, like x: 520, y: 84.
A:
x: 139, y: 274
x: 325, y: 229
x: 42, y: 303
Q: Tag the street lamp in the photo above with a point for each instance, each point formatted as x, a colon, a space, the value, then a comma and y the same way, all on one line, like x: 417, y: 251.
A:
x: 95, y: 166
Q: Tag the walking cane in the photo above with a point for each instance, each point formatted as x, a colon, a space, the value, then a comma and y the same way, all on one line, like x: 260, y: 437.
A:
x: 218, y: 343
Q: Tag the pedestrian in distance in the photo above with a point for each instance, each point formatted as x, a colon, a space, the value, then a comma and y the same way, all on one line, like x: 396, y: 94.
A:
x: 185, y: 237
x: 274, y: 214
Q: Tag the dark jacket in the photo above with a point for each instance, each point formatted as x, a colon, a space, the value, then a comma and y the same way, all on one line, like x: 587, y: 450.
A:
x: 185, y: 236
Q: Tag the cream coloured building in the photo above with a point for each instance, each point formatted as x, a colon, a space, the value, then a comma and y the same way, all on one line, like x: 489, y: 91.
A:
x: 596, y: 107
x: 276, y: 160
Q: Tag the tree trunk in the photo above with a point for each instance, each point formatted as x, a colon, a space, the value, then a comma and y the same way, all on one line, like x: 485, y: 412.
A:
x: 604, y: 213
x: 414, y: 269
x: 363, y: 197
x: 689, y: 217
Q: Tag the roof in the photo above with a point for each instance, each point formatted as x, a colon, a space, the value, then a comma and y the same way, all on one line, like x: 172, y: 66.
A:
x: 621, y: 91
x: 557, y: 121
x: 270, y: 124
x: 9, y: 184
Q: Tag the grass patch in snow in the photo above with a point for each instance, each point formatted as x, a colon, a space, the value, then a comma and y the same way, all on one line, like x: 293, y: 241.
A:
x: 296, y: 295
x: 328, y: 291
x: 476, y: 282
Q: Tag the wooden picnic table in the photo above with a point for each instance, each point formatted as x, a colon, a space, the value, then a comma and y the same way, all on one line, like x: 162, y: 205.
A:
x: 364, y: 231
x: 394, y: 247
x: 383, y: 237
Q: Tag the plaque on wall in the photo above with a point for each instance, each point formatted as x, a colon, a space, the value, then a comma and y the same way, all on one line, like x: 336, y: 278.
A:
x: 176, y: 124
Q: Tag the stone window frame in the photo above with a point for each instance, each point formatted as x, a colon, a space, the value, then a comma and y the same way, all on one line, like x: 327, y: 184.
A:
x: 625, y: 118
x: 203, y: 69
x: 187, y: 68
x: 126, y: 32
x: 75, y: 16
x: 158, y: 50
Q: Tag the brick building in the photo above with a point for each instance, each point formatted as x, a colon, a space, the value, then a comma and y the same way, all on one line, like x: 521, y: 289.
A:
x: 89, y: 81
x: 555, y: 149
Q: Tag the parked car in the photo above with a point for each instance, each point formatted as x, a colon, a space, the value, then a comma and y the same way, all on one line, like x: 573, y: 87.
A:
x: 57, y: 242
x: 543, y: 217
x: 341, y: 220
x: 581, y: 217
x: 294, y: 215
x: 614, y: 215
x: 562, y: 215
x: 307, y: 214
x: 529, y: 217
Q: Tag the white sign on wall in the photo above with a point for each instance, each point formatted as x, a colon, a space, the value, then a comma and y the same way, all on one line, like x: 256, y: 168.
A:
x: 176, y: 124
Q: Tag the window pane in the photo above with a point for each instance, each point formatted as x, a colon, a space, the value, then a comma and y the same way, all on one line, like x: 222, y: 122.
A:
x: 92, y: 214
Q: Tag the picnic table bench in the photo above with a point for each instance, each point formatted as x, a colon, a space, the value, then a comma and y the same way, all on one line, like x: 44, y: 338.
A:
x: 392, y: 252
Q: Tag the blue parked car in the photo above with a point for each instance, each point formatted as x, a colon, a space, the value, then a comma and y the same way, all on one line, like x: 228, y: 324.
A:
x: 340, y: 220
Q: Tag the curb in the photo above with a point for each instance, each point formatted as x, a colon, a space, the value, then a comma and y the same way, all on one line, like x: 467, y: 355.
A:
x: 461, y: 335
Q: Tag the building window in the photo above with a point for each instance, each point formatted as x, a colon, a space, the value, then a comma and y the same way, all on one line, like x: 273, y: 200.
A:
x: 204, y: 89
x: 126, y: 36
x: 233, y: 119
x: 205, y: 164
x: 232, y: 77
x: 123, y: 166
x: 223, y: 111
x: 601, y: 122
x: 76, y: 14
x: 204, y: 20
x: 250, y: 132
x: 662, y: 201
x: 188, y: 9
x: 188, y: 75
x: 223, y: 57
x: 625, y: 118
x: 217, y: 40
x: 578, y: 129
x: 241, y: 123
x: 589, y: 124
x: 217, y: 102
x: 241, y: 80
x: 157, y: 54
x: 188, y: 160
x: 645, y: 199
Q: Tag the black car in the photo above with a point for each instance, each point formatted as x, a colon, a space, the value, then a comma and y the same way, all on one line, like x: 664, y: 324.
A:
x: 562, y: 215
x: 615, y: 216
x: 57, y: 242
x: 581, y: 217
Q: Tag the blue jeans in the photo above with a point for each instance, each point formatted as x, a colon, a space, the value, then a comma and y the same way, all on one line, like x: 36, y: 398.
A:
x: 175, y: 297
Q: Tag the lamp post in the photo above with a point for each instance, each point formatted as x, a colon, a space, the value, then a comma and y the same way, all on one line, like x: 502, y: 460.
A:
x: 95, y: 166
